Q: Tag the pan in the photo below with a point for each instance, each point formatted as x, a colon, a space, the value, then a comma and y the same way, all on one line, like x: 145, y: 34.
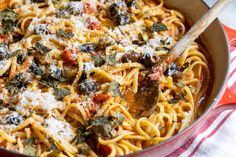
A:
x: 215, y: 41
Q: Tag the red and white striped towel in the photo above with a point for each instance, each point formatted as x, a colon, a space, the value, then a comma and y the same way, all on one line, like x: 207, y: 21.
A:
x: 217, y: 137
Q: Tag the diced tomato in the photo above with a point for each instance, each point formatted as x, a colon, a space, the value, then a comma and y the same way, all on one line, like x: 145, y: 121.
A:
x: 93, y: 24
x: 69, y: 56
x: 100, y: 98
x: 4, y: 38
x: 87, y: 8
x: 105, y: 150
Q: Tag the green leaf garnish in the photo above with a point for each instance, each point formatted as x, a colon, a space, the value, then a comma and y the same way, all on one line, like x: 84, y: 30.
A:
x: 157, y: 27
x: 111, y: 59
x: 180, y: 84
x: 8, y: 20
x: 114, y: 88
x: 41, y: 48
x: 65, y: 34
x: 60, y: 93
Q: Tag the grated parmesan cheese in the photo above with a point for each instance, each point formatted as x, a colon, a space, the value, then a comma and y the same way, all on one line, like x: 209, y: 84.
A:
x: 3, y: 63
x: 75, y: 7
x: 37, y: 99
x: 188, y: 118
x: 88, y: 66
x: 60, y: 129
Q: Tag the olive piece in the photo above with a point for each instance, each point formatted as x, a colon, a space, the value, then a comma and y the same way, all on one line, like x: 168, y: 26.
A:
x: 158, y: 27
x: 87, y: 87
x: 22, y: 79
x: 14, y: 118
x: 83, y: 76
x: 118, y: 12
x: 122, y: 19
x: 36, y: 68
x: 149, y: 60
x: 88, y: 47
x: 131, y: 57
x: 3, y: 51
x: 173, y: 69
x: 116, y: 7
x: 55, y: 72
x: 21, y: 58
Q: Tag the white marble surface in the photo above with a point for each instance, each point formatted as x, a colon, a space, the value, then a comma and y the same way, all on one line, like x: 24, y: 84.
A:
x: 228, y: 16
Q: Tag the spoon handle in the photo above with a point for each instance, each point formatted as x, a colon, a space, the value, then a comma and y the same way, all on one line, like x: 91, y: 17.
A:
x: 198, y: 28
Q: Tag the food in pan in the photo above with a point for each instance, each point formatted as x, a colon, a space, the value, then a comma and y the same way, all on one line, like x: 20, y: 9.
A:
x: 70, y: 70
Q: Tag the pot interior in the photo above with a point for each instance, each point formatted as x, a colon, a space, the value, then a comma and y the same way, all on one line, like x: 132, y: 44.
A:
x: 213, y: 40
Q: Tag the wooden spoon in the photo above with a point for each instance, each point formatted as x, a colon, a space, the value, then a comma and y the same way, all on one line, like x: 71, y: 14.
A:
x: 146, y: 99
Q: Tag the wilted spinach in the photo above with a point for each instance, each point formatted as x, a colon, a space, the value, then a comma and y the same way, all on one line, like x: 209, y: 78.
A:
x: 18, y: 83
x: 8, y: 20
x: 157, y: 27
x: 111, y: 59
x: 41, y: 48
x: 65, y: 34
x: 114, y: 88
x: 102, y: 126
x: 60, y: 93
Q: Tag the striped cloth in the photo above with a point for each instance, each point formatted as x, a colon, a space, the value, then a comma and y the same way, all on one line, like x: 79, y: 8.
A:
x: 217, y: 137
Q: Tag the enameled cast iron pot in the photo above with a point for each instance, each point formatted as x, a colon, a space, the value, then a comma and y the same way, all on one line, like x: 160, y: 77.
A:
x: 216, y: 43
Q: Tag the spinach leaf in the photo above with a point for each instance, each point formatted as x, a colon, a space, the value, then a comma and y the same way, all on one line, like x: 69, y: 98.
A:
x: 48, y: 81
x: 98, y: 60
x: 18, y: 83
x: 119, y: 117
x: 82, y: 134
x: 41, y: 48
x: 65, y: 34
x: 60, y: 93
x: 173, y: 101
x: 104, y: 126
x: 8, y: 20
x: 176, y: 99
x: 157, y: 27
x: 165, y: 42
x: 114, y: 88
x: 111, y: 59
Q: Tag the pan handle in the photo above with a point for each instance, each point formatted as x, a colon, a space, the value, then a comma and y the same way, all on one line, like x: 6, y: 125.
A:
x: 229, y: 96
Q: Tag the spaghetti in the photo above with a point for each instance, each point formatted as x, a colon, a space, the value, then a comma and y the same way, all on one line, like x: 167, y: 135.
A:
x: 69, y: 69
